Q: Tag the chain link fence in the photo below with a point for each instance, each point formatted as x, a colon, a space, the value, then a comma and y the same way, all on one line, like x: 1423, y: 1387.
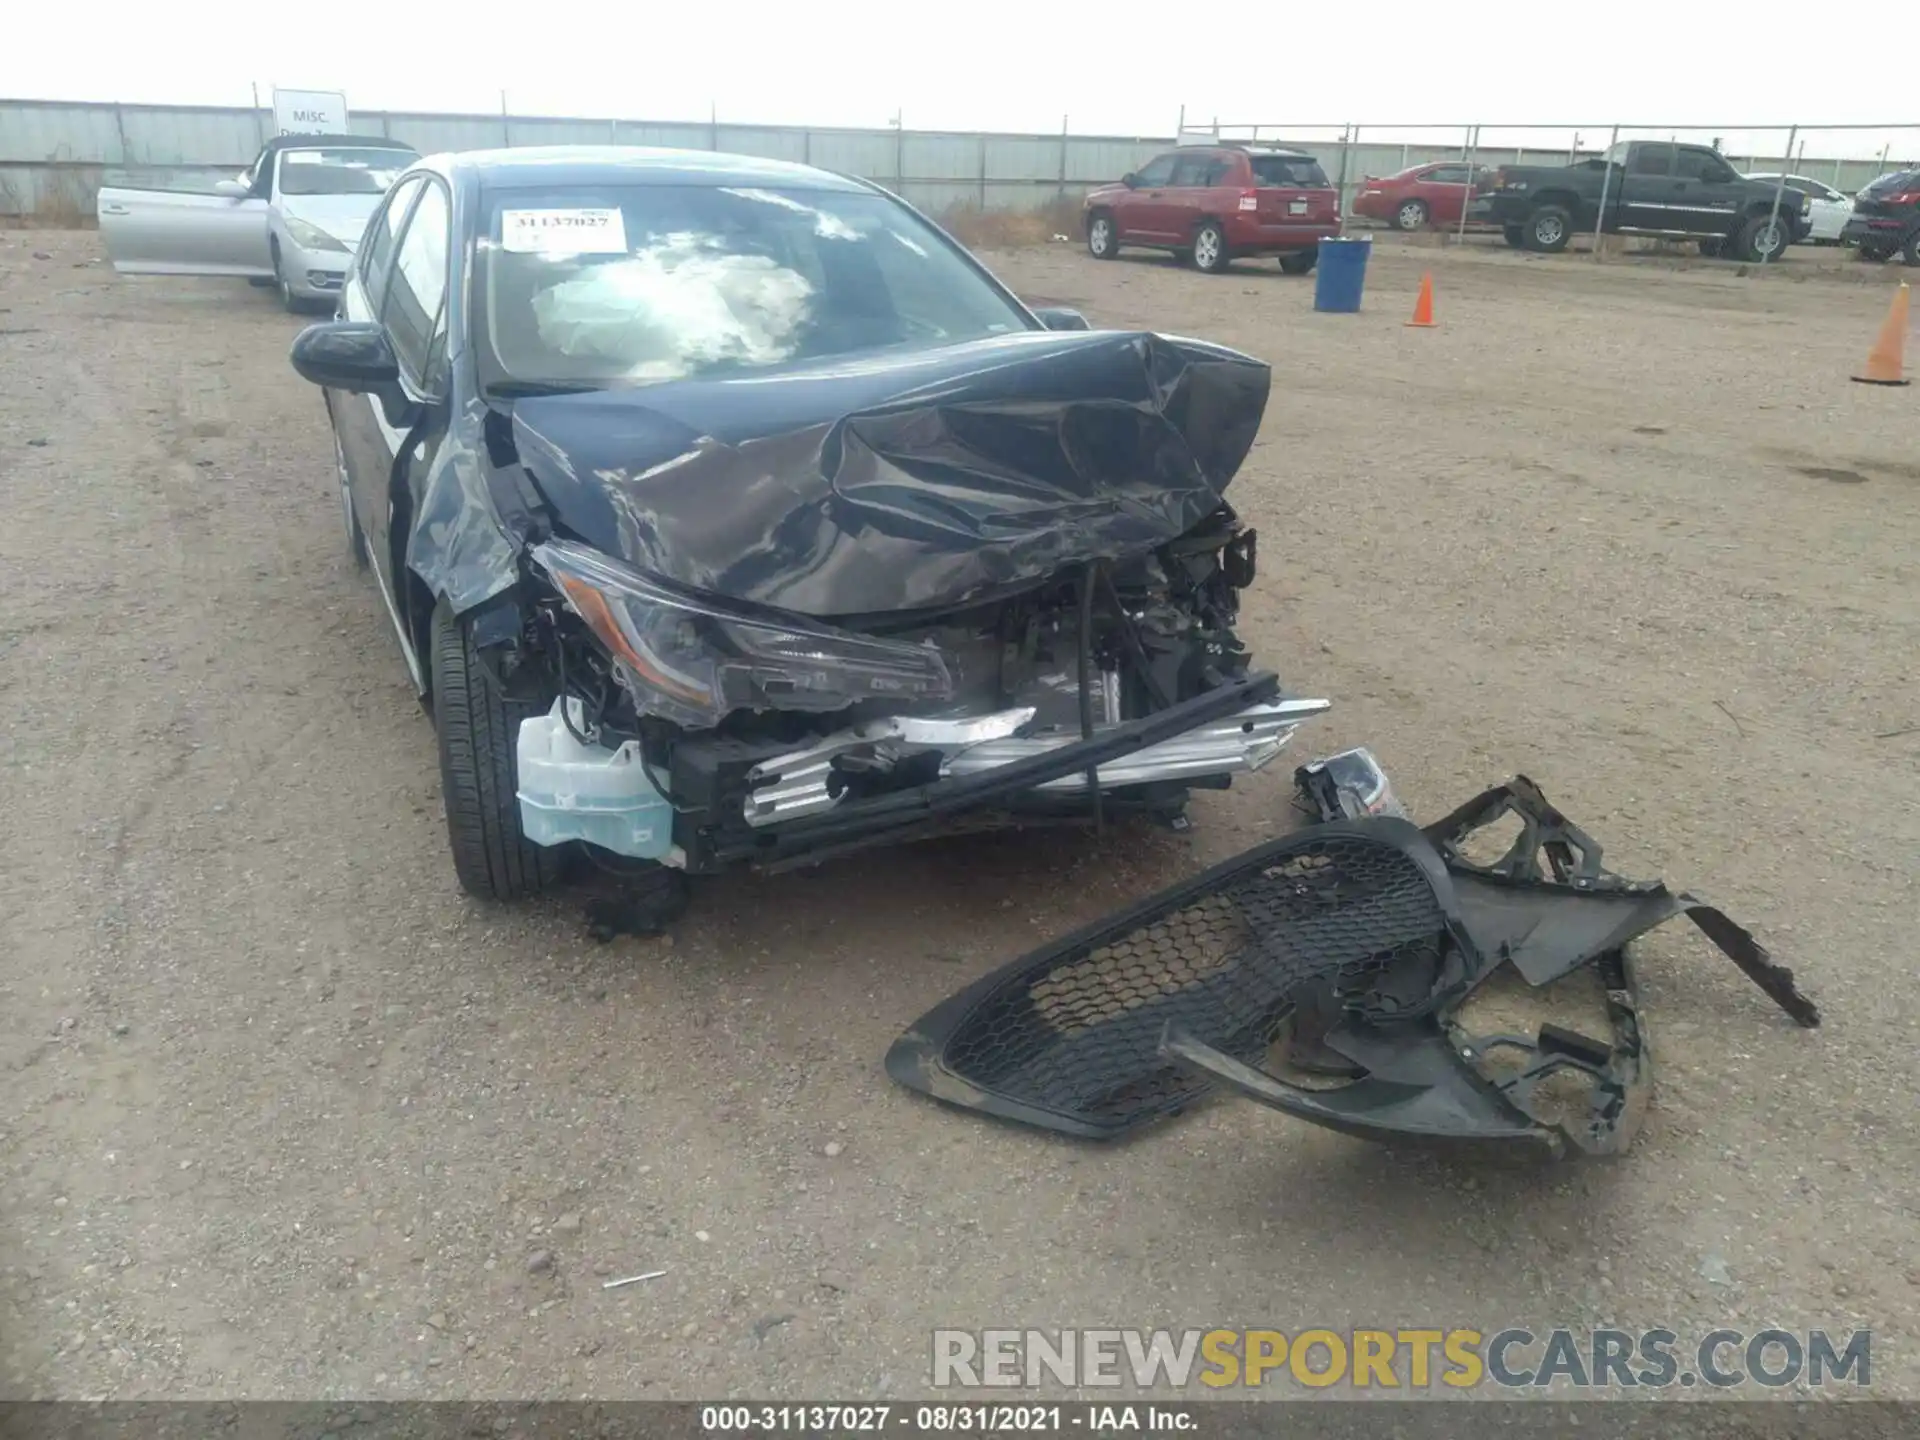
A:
x: 1833, y: 163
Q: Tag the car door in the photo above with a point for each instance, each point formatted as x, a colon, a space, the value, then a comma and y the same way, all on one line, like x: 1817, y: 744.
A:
x: 185, y: 232
x: 1143, y: 212
x: 367, y: 439
x: 1189, y: 190
x: 1444, y: 188
x: 1647, y: 200
x: 413, y: 314
x: 1709, y: 192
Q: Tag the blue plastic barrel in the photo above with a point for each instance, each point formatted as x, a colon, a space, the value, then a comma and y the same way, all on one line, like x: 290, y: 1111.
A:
x: 1340, y: 275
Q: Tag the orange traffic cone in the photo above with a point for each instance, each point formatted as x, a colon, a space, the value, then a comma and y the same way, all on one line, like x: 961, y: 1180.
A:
x: 1423, y: 307
x: 1884, y: 363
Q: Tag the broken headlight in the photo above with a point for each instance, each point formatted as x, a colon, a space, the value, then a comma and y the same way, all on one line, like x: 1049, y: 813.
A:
x: 694, y: 659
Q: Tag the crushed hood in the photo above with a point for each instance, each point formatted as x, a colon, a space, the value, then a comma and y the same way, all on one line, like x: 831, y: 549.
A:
x: 901, y: 481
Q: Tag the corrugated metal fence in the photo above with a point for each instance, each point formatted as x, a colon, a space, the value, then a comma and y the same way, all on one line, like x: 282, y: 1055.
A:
x: 55, y: 154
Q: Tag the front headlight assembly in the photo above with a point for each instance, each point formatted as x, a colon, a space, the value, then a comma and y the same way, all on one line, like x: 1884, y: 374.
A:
x: 694, y: 659
x: 309, y: 236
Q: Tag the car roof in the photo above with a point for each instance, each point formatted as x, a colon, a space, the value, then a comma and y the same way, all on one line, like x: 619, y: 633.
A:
x: 530, y: 165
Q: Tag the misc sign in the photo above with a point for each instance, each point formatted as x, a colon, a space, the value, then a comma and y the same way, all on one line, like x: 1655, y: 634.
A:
x: 309, y: 112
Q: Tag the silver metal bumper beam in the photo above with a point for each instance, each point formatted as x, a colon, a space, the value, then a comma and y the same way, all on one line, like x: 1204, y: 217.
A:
x: 807, y: 782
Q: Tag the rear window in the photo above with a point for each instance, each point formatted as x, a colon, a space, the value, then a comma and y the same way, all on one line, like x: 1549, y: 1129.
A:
x: 1899, y: 180
x: 1293, y: 172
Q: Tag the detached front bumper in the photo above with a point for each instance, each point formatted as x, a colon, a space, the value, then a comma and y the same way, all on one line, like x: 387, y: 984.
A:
x: 1354, y: 946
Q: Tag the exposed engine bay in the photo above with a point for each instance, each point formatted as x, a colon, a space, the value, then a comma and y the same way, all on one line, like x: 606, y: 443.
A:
x: 982, y: 687
x: 994, y: 583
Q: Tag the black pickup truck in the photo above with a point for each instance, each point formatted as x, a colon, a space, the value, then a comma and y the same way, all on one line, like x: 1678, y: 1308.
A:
x: 1647, y: 187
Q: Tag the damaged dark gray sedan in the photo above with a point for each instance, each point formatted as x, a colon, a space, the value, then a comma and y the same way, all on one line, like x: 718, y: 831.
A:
x: 727, y: 511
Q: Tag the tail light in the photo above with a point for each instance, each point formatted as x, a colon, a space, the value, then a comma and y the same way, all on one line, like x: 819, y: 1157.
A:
x: 1249, y: 199
x: 1905, y: 197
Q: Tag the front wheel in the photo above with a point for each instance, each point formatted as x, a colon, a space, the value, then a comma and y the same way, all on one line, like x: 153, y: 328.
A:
x: 479, y: 781
x: 1210, y: 248
x: 356, y: 537
x: 1103, y: 237
x: 1300, y: 262
x: 289, y: 302
x: 1412, y: 215
x: 1762, y: 239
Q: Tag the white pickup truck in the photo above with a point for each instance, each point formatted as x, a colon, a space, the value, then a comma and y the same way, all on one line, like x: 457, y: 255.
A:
x: 293, y: 218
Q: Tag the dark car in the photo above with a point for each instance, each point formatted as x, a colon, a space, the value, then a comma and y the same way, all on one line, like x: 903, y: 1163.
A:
x: 1886, y: 218
x: 728, y: 511
x: 1213, y: 204
x: 1645, y: 187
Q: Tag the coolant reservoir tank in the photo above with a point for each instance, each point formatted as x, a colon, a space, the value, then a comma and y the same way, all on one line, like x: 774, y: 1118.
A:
x: 570, y: 791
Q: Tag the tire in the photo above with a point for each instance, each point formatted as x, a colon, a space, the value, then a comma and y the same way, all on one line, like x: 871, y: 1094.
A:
x: 356, y: 537
x: 1515, y: 235
x: 1910, y: 252
x: 1762, y: 240
x: 1300, y: 262
x: 1411, y: 215
x: 289, y: 302
x: 1713, y: 249
x: 1210, y: 253
x: 1549, y: 229
x: 1103, y: 235
x: 478, y: 785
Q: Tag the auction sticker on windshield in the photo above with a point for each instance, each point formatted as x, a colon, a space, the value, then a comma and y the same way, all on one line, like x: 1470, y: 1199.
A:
x: 564, y: 232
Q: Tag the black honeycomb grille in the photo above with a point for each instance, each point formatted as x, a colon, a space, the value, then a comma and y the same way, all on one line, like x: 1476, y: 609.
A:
x: 1074, y: 1031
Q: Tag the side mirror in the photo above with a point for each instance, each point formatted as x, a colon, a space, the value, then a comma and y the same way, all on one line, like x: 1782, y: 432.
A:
x: 350, y: 355
x: 232, y: 189
x: 1060, y: 317
x: 1130, y: 180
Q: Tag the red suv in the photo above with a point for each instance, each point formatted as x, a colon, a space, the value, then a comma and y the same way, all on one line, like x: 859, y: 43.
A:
x: 1216, y: 203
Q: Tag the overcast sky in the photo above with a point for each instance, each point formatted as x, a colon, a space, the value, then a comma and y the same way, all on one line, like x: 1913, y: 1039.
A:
x: 987, y: 64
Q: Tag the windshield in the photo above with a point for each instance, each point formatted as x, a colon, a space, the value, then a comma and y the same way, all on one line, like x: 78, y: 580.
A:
x: 341, y: 172
x: 638, y: 284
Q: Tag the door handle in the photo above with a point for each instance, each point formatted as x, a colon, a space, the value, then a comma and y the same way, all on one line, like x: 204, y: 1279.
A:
x: 114, y: 209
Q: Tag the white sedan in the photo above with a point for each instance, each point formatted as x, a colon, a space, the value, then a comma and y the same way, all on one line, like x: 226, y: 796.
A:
x: 1830, y: 210
x: 293, y: 218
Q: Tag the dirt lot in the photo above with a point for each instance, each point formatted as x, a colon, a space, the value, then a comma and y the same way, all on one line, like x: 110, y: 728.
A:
x: 286, y: 1115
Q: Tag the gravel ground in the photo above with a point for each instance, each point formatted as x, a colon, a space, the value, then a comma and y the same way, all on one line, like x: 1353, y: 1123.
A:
x: 285, y: 1115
